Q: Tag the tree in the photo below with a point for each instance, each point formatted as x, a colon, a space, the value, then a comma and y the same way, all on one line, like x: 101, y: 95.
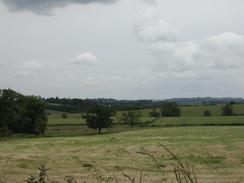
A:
x: 207, y: 113
x: 154, y: 113
x: 170, y: 109
x: 22, y: 114
x: 131, y: 117
x: 99, y: 117
x: 35, y: 112
x: 227, y: 110
x: 9, y: 110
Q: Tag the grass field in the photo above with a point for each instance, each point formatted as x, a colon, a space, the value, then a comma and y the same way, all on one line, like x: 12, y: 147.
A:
x: 214, y: 145
x: 191, y: 115
x: 199, y: 121
x: 55, y: 118
x: 216, y: 153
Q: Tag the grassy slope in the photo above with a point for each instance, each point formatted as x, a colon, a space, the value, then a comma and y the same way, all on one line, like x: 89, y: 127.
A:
x: 217, y: 153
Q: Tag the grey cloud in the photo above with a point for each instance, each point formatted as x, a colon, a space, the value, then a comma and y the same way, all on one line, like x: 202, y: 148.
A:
x: 224, y: 51
x: 45, y: 7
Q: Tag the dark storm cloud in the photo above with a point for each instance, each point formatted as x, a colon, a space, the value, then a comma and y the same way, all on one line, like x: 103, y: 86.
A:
x: 46, y: 6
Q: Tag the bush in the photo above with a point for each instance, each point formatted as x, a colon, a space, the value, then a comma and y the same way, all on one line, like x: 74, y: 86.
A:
x: 227, y: 110
x: 207, y: 113
x: 170, y: 109
x: 64, y: 115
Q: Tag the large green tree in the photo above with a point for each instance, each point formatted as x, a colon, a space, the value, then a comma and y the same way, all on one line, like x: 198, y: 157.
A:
x: 21, y: 114
x: 35, y: 112
x: 99, y: 117
x: 9, y: 110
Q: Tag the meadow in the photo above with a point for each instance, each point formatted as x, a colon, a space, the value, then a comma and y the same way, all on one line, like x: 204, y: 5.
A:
x: 191, y: 116
x: 215, y: 152
x: 213, y: 145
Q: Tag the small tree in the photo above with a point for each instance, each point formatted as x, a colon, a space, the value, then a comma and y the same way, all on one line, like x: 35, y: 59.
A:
x: 227, y: 110
x: 170, y: 109
x: 99, y: 117
x: 154, y: 113
x: 131, y: 117
x: 207, y: 113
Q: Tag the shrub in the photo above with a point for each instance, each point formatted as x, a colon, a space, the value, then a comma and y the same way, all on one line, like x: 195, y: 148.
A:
x: 170, y: 109
x: 227, y: 110
x: 207, y: 113
x: 64, y: 115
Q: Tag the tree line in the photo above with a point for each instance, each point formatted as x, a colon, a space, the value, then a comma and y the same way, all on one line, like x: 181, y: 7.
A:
x: 75, y: 105
x: 83, y: 105
x: 27, y: 114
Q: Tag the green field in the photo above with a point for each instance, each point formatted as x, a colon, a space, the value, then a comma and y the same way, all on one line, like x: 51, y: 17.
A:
x: 191, y: 115
x: 216, y: 153
x: 216, y: 110
x: 55, y: 118
x: 200, y: 121
x: 213, y: 145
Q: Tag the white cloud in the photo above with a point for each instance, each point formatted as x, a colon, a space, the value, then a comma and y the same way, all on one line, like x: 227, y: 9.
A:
x: 150, y: 28
x: 31, y: 65
x: 86, y: 58
x: 28, y: 69
x: 224, y: 51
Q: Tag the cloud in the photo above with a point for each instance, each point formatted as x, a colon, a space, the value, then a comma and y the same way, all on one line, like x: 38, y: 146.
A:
x: 29, y: 68
x: 151, y: 28
x: 86, y: 58
x: 32, y: 65
x: 45, y: 7
x: 224, y: 51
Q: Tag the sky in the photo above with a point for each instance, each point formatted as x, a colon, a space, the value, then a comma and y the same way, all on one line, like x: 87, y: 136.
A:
x: 123, y: 49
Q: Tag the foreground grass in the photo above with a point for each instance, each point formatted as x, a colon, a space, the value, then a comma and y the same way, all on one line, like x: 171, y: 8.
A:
x: 216, y: 152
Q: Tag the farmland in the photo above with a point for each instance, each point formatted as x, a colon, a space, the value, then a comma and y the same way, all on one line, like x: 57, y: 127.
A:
x: 191, y: 116
x: 213, y: 145
x: 116, y: 91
